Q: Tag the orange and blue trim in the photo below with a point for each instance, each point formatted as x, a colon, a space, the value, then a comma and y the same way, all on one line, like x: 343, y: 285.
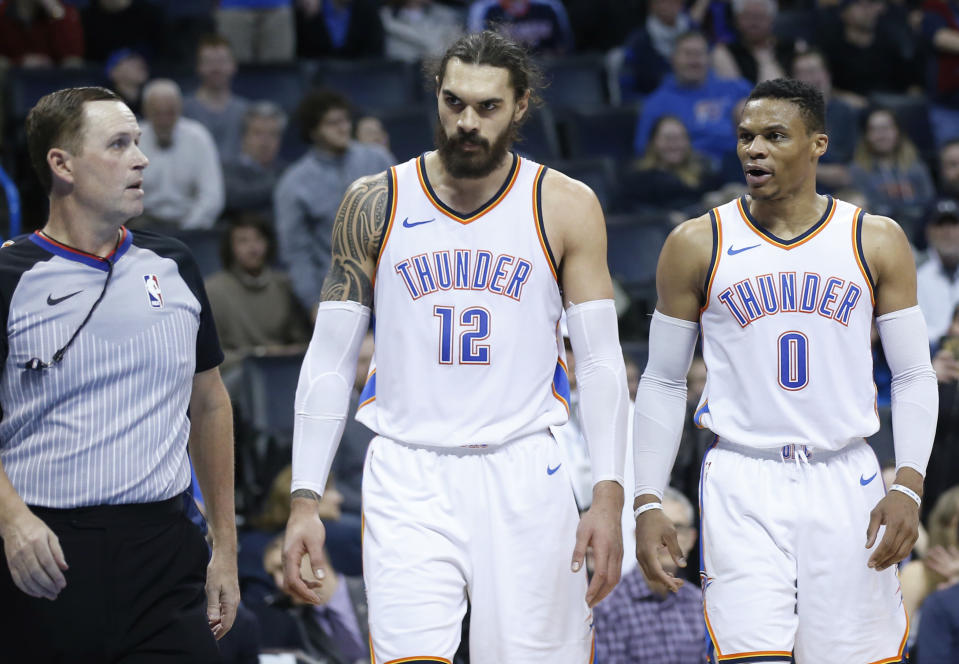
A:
x: 717, y: 228
x: 368, y: 394
x: 702, y: 410
x: 480, y: 211
x: 861, y: 254
x: 540, y: 226
x: 417, y: 660
x: 560, y: 384
x: 902, y: 655
x: 70, y: 253
x: 801, y: 239
x: 391, y: 196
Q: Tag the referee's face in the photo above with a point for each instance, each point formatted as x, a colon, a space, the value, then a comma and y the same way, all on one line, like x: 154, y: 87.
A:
x: 108, y: 173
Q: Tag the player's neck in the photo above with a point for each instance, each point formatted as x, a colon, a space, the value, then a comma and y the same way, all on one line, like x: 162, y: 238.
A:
x: 80, y: 231
x: 465, y: 194
x: 791, y: 216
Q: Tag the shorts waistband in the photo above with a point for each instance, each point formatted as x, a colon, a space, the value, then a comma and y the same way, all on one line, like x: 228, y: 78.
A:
x: 116, y: 514
x: 470, y: 449
x: 787, y: 452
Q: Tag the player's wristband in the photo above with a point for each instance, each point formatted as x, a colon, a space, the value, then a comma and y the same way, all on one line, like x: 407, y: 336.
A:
x: 909, y: 492
x: 645, y: 508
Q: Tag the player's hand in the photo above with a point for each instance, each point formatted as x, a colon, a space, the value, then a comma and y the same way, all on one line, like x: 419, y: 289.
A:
x: 222, y: 592
x: 304, y: 536
x: 34, y: 556
x: 900, y: 515
x: 601, y: 531
x: 654, y: 532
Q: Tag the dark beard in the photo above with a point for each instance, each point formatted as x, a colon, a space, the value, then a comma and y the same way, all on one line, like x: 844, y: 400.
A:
x: 478, y: 164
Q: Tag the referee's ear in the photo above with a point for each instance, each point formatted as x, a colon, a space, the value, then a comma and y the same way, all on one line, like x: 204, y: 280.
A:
x: 61, y: 166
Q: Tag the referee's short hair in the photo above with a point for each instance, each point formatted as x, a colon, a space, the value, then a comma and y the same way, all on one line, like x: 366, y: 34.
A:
x: 56, y: 121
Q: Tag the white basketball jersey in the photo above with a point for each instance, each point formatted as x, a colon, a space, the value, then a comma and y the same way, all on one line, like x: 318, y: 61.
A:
x: 786, y: 332
x: 468, y: 350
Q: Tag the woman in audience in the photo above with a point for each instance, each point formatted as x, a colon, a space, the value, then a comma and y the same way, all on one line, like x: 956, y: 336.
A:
x: 887, y: 169
x: 940, y: 565
x: 671, y: 178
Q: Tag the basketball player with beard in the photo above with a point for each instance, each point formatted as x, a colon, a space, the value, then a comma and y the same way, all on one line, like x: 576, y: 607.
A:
x: 468, y: 255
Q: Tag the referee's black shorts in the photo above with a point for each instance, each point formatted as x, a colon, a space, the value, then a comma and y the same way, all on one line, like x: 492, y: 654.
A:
x: 134, y: 593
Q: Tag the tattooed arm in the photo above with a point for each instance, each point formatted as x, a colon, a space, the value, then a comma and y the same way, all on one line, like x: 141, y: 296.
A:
x: 357, y: 230
x: 329, y: 368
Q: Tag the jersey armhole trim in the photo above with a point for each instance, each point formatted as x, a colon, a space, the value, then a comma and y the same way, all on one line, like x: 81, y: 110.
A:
x: 858, y: 217
x: 717, y: 228
x: 391, y: 197
x: 540, y: 226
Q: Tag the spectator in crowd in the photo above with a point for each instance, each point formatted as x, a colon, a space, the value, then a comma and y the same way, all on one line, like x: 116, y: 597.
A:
x: 699, y: 98
x: 419, y: 29
x: 938, y: 287
x: 949, y: 169
x: 213, y: 104
x: 755, y: 54
x: 250, y: 178
x: 112, y: 25
x: 637, y: 625
x: 671, y: 178
x: 541, y: 25
x: 860, y: 45
x: 939, y: 639
x: 253, y: 306
x: 887, y: 169
x: 842, y: 123
x: 370, y: 129
x: 648, y: 50
x: 259, y: 30
x: 940, y: 30
x: 336, y: 630
x: 184, y: 186
x: 308, y: 194
x: 940, y: 565
x: 941, y: 474
x: 127, y: 72
x: 184, y: 25
x: 40, y: 33
x: 340, y: 29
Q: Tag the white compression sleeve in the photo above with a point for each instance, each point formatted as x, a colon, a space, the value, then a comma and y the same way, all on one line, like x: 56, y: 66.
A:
x: 915, y: 392
x: 323, y: 392
x: 601, y: 381
x: 661, y: 402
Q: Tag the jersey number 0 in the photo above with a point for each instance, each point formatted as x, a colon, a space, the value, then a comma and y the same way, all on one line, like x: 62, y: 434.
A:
x: 793, y: 361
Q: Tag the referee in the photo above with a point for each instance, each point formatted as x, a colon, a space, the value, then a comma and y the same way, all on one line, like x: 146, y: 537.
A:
x: 106, y: 342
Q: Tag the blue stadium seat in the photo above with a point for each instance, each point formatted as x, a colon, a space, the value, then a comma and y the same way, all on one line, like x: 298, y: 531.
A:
x: 539, y: 137
x: 575, y: 82
x: 599, y: 173
x: 633, y: 251
x: 204, y: 244
x: 410, y: 130
x: 26, y: 86
x: 601, y: 131
x: 284, y: 85
x: 371, y: 85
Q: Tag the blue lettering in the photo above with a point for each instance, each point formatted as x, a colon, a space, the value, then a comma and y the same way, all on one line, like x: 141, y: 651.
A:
x: 726, y: 297
x: 444, y: 275
x: 462, y: 260
x: 787, y: 286
x: 481, y: 275
x: 403, y: 269
x: 849, y: 301
x: 425, y: 274
x: 518, y: 279
x: 829, y: 296
x: 751, y: 304
x: 499, y: 273
x: 810, y: 293
x: 767, y: 293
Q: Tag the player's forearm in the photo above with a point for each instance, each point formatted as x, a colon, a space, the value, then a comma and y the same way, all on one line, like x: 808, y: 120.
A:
x: 211, y: 449
x: 323, y: 392
x: 12, y: 506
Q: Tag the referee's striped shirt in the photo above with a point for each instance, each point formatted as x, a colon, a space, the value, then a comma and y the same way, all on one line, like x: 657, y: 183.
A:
x: 108, y: 424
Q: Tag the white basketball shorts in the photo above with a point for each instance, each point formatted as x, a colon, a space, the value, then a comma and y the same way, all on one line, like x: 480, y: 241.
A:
x: 784, y: 558
x: 496, y: 525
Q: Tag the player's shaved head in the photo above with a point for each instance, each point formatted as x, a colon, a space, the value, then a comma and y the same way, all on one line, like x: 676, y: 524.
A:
x: 809, y: 100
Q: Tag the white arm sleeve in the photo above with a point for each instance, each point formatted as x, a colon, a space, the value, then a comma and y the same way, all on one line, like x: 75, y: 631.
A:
x: 601, y: 381
x: 323, y: 392
x: 661, y: 402
x: 915, y: 392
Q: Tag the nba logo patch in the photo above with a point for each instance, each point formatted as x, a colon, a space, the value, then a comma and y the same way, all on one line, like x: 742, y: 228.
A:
x: 152, y: 285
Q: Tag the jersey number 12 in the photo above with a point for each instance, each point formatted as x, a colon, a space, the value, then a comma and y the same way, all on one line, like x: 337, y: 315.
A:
x: 474, y: 326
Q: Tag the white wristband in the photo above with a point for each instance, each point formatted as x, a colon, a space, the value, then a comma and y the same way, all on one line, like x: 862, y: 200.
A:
x: 645, y: 508
x: 909, y: 492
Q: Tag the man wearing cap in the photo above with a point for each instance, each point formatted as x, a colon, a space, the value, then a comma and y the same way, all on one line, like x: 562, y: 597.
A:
x: 937, y: 283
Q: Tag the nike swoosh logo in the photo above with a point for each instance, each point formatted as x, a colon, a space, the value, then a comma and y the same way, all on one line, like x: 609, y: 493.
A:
x: 550, y: 471
x: 57, y: 300
x: 732, y: 252
x: 864, y: 481
x: 407, y: 224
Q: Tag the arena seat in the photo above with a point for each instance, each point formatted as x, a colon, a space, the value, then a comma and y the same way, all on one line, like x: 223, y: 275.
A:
x: 601, y: 131
x: 371, y: 85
